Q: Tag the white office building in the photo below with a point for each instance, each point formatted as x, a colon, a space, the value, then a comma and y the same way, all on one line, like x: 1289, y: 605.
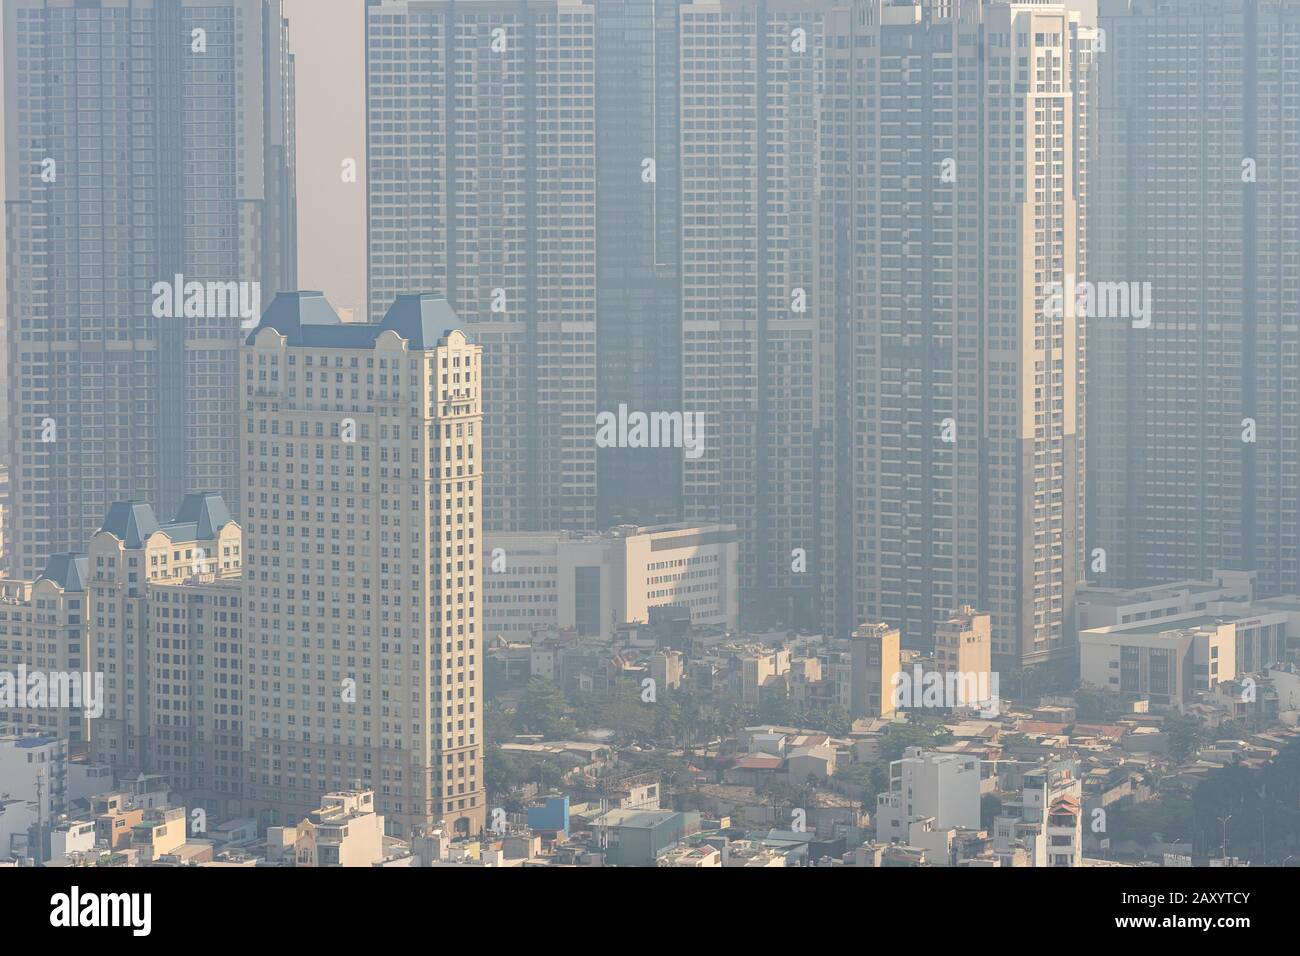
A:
x: 595, y: 582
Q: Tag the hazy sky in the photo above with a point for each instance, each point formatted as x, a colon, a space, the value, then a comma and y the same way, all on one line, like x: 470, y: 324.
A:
x: 328, y: 41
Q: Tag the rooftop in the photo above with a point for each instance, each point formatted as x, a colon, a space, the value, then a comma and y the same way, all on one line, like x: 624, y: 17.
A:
x: 307, y: 319
x: 67, y: 570
x: 635, y: 819
x: 200, y: 517
x: 1220, y: 612
x: 1120, y: 597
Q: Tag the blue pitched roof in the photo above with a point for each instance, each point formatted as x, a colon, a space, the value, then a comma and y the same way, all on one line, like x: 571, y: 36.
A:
x: 69, y: 571
x: 131, y: 522
x: 421, y: 319
x: 200, y: 517
x: 307, y: 319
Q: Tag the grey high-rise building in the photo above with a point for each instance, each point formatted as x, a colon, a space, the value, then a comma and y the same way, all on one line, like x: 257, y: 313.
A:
x: 481, y: 133
x: 523, y: 162
x: 149, y: 145
x: 635, y: 205
x: 1194, y: 403
x: 760, y: 229
x: 638, y: 229
x: 766, y: 113
x: 968, y: 450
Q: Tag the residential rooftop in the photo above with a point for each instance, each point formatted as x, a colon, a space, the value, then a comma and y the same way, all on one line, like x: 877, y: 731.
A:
x: 307, y: 320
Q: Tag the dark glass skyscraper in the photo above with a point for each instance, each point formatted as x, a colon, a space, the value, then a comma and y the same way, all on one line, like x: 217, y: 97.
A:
x: 638, y: 312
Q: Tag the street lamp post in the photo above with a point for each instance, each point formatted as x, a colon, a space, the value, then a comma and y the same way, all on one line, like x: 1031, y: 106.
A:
x: 1224, y: 821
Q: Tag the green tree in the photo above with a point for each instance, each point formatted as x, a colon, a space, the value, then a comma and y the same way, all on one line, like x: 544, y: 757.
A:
x: 548, y: 774
x: 586, y: 707
x: 1098, y: 704
x: 1013, y: 742
x: 1170, y: 820
x: 502, y: 774
x: 631, y: 718
x: 542, y: 710
x: 872, y: 776
x: 831, y: 719
x: 927, y: 734
x: 668, y: 718
x: 1231, y: 730
x: 1185, y: 736
x: 498, y: 724
x: 775, y: 707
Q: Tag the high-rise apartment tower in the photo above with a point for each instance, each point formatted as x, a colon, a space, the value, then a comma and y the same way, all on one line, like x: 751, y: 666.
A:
x: 361, y: 446
x: 150, y: 208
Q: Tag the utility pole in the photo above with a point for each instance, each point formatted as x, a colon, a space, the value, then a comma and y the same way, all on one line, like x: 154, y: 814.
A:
x: 40, y: 833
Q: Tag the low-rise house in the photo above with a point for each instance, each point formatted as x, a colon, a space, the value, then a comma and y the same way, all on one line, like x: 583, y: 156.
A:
x: 754, y: 770
x: 17, y: 817
x: 345, y: 831
x: 72, y: 836
x: 115, y: 815
x: 810, y: 763
x: 694, y: 857
x: 751, y: 854
x: 160, y: 831
x: 638, y: 837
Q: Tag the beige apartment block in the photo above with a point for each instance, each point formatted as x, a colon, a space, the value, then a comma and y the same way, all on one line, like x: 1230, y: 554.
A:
x: 43, y: 631
x: 345, y: 831
x: 130, y: 552
x: 196, y: 673
x: 874, y: 652
x: 759, y: 667
x: 361, y: 473
x: 679, y: 566
x: 963, y: 645
x: 180, y: 627
x: 115, y: 816
x: 160, y: 831
x: 666, y: 668
x: 596, y: 582
x: 1045, y: 820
